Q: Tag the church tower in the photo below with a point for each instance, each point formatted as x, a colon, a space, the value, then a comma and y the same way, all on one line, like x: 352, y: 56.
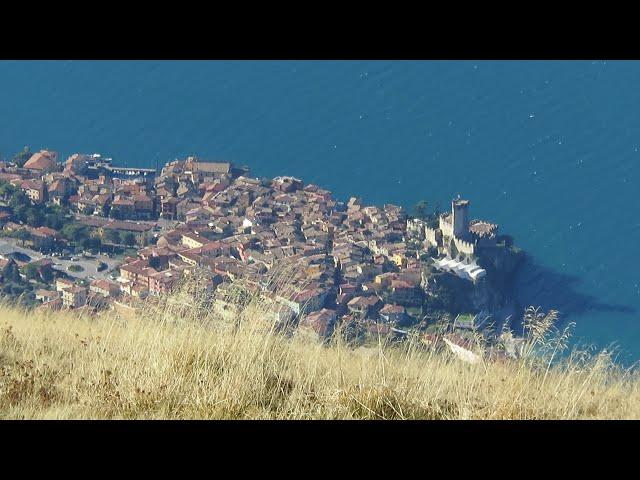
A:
x: 460, y: 213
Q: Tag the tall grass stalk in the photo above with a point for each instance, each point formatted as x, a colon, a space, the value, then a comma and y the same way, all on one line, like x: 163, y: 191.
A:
x: 179, y: 357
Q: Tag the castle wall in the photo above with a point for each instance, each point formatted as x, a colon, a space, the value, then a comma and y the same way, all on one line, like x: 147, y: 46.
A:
x: 433, y: 236
x: 463, y: 246
x: 446, y: 227
x: 416, y: 227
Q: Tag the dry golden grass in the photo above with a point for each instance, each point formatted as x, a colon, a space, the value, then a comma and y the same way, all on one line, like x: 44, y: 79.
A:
x: 176, y: 361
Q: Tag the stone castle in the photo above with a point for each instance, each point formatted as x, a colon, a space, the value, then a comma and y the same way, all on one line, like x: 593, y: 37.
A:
x: 457, y: 240
x: 456, y: 236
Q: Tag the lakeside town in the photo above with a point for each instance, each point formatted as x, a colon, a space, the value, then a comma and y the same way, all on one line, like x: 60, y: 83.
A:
x: 84, y: 234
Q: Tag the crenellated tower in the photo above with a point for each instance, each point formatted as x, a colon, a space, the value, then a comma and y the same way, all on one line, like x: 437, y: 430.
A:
x: 460, y: 218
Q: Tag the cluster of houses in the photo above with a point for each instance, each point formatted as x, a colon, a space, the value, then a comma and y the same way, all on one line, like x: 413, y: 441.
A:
x: 111, y: 199
x: 342, y: 261
x: 68, y: 294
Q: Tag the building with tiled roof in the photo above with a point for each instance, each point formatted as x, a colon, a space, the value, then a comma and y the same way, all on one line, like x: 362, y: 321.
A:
x: 43, y: 161
x: 321, y: 322
x: 35, y: 190
x: 74, y: 297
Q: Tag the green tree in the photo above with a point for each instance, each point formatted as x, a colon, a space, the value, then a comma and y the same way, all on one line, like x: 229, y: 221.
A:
x: 19, y: 199
x: 11, y: 273
x: 55, y: 220
x: 21, y: 158
x: 55, y: 217
x: 35, y: 217
x: 112, y: 236
x: 22, y: 235
x: 20, y: 212
x: 18, y: 289
x: 92, y: 244
x: 75, y: 232
x: 6, y: 189
x: 129, y: 239
x: 31, y: 272
x: 421, y: 209
x: 46, y: 274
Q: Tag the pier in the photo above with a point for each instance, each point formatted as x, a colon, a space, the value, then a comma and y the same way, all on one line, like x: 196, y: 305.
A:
x: 128, y: 172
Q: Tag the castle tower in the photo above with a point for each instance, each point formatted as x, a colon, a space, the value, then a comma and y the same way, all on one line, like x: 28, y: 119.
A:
x: 460, y: 213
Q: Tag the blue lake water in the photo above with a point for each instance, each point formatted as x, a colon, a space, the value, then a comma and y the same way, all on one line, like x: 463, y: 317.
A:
x: 549, y: 150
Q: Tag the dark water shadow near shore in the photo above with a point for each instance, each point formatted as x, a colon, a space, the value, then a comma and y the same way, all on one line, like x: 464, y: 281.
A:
x: 538, y: 285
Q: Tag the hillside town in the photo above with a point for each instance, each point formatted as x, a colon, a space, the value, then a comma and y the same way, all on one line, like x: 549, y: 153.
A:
x: 84, y: 234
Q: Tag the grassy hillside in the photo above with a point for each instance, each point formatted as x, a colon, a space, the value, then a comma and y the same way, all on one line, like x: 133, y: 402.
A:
x: 177, y: 361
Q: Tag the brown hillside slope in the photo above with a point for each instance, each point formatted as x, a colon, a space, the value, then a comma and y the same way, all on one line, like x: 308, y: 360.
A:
x: 170, y: 362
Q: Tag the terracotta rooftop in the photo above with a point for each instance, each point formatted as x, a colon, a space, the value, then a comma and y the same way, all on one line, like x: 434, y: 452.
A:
x: 76, y: 289
x: 364, y: 301
x: 211, y: 167
x: 47, y: 232
x: 104, y: 284
x: 33, y: 184
x: 388, y: 308
x: 43, y: 160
